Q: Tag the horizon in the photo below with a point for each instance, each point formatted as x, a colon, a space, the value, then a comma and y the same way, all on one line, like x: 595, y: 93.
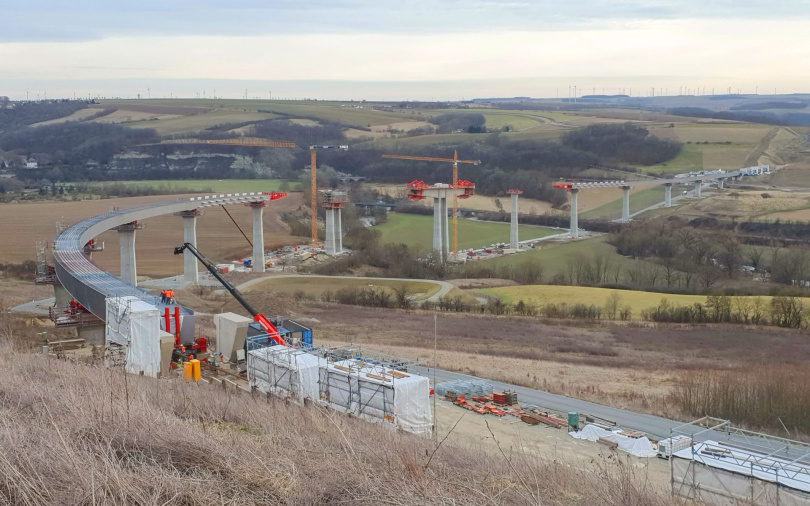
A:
x: 381, y: 50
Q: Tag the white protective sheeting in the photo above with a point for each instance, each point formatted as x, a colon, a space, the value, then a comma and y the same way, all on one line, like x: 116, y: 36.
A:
x: 640, y: 447
x: 403, y: 401
x: 339, y: 388
x: 136, y: 324
x: 285, y: 371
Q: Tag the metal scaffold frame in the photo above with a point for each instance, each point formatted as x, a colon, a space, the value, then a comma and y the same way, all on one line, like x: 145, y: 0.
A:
x: 729, y: 463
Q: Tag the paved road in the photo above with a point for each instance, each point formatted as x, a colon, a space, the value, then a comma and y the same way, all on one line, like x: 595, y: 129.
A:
x: 653, y: 425
x: 35, y: 306
x: 648, y: 423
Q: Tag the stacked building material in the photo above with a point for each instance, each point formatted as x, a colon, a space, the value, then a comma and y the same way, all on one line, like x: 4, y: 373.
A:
x: 507, y: 398
x: 472, y: 388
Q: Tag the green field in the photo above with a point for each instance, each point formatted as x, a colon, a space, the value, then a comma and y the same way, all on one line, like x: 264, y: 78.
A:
x: 554, y: 256
x: 690, y: 159
x: 340, y: 112
x: 316, y: 285
x: 198, y: 122
x: 515, y: 122
x: 212, y: 185
x: 417, y: 232
x: 637, y: 300
x: 638, y: 201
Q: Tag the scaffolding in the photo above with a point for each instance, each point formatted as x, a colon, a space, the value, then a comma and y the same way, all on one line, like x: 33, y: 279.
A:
x: 334, y: 199
x: 72, y: 315
x: 284, y: 371
x: 356, y: 352
x: 46, y: 274
x: 728, y: 464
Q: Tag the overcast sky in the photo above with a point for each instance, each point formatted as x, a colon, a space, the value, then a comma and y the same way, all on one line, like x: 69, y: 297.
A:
x: 381, y: 49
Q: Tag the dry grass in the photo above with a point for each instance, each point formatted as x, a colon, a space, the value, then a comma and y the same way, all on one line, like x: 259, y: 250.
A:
x: 610, y: 346
x: 97, y: 436
x: 217, y: 237
x: 763, y: 397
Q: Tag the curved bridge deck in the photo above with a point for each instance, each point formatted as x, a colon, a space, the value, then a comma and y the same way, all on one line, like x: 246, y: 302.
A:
x: 91, y: 286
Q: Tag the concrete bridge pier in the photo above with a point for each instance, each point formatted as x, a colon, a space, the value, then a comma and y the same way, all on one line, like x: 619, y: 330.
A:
x: 445, y: 229
x: 338, y: 231
x: 698, y: 185
x: 514, y: 243
x: 625, y: 204
x: 126, y: 240
x: 574, y: 215
x: 191, y: 270
x: 720, y: 183
x: 667, y: 194
x: 330, y: 232
x: 438, y: 237
x: 258, y: 235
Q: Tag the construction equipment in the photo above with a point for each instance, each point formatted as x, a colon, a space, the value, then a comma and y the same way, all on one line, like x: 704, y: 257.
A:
x: 455, y: 161
x: 265, y: 324
x: 313, y: 186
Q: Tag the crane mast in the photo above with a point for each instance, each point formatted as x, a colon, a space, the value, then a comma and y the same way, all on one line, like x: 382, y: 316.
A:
x: 313, y: 187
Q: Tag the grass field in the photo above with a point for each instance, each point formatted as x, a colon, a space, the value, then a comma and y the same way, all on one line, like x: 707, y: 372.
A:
x: 329, y: 111
x: 741, y: 133
x: 690, y: 159
x: 212, y: 185
x: 638, y: 201
x: 554, y: 256
x: 417, y: 232
x: 730, y: 145
x: 637, y: 300
x: 315, y: 286
x: 516, y: 122
x: 197, y: 122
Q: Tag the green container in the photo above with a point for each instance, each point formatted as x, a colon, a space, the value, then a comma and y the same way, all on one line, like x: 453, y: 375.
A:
x: 573, y: 419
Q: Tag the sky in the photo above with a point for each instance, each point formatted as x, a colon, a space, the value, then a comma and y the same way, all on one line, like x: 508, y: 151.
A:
x: 400, y: 50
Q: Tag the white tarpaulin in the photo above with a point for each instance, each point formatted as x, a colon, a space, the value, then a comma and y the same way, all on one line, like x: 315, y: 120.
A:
x: 285, y: 371
x: 134, y: 323
x: 401, y: 399
x: 640, y: 447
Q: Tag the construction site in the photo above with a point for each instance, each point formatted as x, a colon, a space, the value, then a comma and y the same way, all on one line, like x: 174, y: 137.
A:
x: 147, y: 333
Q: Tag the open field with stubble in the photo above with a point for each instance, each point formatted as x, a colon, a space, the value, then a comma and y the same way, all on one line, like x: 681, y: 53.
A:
x: 206, y: 185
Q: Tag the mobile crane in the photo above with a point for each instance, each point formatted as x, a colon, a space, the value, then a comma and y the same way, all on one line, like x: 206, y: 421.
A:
x: 263, y: 322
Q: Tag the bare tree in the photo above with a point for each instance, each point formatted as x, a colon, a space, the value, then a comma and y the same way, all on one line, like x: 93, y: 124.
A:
x: 612, y: 304
x: 402, y: 293
x: 754, y: 256
x: 708, y: 276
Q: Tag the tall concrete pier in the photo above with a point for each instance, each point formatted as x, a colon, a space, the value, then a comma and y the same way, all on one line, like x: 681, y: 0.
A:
x: 514, y: 243
x: 126, y: 240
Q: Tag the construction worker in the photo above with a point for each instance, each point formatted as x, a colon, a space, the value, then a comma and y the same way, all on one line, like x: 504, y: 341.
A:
x: 163, y: 296
x: 170, y: 296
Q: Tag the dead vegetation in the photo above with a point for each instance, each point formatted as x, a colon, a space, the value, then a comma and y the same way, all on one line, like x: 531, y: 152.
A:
x: 82, y: 434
